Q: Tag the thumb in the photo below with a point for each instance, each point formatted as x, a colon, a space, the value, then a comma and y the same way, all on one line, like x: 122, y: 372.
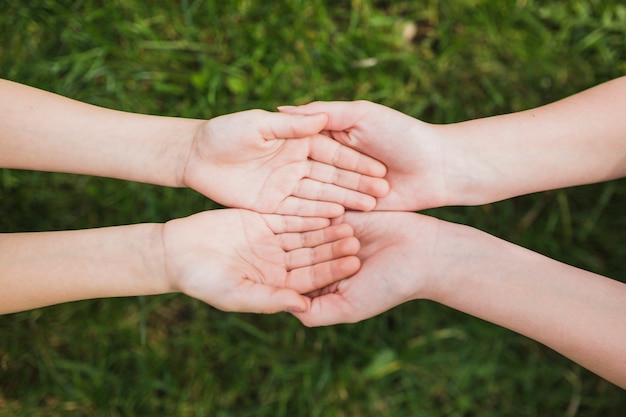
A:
x: 290, y: 126
x: 265, y: 299
x: 342, y: 115
x: 325, y: 310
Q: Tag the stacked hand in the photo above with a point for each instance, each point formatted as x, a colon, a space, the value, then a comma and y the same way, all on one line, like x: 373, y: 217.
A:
x: 239, y: 260
x: 278, y: 163
x: 414, y: 159
x: 289, y: 243
x: 407, y: 256
x: 269, y: 163
x: 283, y: 179
x: 399, y: 252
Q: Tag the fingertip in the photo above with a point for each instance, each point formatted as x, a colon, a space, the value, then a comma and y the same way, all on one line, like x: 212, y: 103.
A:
x: 379, y: 170
x: 338, y: 220
x: 377, y: 188
x: 293, y: 123
x: 350, y: 265
x: 336, y: 211
x: 368, y: 203
x: 302, y: 111
x: 351, y: 245
x: 303, y: 305
x: 320, y: 223
x: 322, y: 119
x: 324, y: 209
x: 307, y: 224
x: 383, y: 188
x: 344, y: 230
x: 305, y: 109
x: 310, y: 317
x: 305, y: 318
x: 286, y: 108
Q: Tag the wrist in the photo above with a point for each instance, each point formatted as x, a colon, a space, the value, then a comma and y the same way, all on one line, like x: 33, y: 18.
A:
x: 437, y: 251
x: 440, y: 168
x: 462, y: 182
x: 442, y: 164
x: 46, y: 268
x: 171, y: 154
x: 153, y: 258
x: 459, y: 252
x: 190, y: 158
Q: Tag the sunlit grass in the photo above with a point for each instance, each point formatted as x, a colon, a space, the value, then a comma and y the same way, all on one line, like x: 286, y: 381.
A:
x: 440, y: 61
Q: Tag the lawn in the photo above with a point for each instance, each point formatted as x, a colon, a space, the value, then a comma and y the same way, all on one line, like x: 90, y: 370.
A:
x: 440, y: 61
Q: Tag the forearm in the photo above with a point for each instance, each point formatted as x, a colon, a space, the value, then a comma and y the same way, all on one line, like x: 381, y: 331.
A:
x: 45, y: 268
x: 577, y: 313
x: 44, y: 131
x: 578, y: 140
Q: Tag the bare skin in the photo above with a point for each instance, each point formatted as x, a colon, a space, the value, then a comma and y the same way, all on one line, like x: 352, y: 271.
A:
x: 235, y: 260
x: 262, y: 161
x: 409, y: 256
x: 578, y: 140
x: 256, y: 160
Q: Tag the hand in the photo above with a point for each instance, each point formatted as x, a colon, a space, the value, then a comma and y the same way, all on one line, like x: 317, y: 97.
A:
x: 278, y: 163
x: 406, y: 146
x: 407, y: 256
x: 238, y: 260
x: 400, y: 261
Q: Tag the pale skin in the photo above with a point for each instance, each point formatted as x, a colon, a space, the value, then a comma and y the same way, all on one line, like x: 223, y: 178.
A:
x: 255, y: 160
x: 406, y: 256
x: 578, y: 140
x: 409, y: 256
x: 233, y: 259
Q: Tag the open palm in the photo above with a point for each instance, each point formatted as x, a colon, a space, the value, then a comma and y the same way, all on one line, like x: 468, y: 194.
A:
x: 404, y: 144
x: 398, y: 263
x: 239, y: 260
x: 277, y: 163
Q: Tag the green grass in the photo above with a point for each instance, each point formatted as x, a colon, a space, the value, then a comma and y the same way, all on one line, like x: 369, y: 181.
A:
x: 173, y: 356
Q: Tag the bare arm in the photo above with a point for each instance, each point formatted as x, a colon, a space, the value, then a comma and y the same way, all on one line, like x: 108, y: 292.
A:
x: 258, y: 160
x: 45, y: 268
x: 578, y: 140
x: 408, y: 256
x: 47, y: 132
x: 232, y: 259
x: 575, y: 312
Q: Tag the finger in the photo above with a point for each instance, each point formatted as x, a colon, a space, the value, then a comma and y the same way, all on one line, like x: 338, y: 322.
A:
x: 291, y: 241
x: 299, y: 258
x: 326, y: 310
x: 297, y: 206
x: 310, y: 278
x: 330, y: 151
x: 329, y: 289
x: 322, y: 192
x: 342, y: 115
x: 294, y: 224
x: 288, y: 126
x: 253, y: 297
x: 376, y: 187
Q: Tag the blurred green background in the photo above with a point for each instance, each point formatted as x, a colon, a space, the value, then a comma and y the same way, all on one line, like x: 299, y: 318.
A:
x: 441, y: 61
